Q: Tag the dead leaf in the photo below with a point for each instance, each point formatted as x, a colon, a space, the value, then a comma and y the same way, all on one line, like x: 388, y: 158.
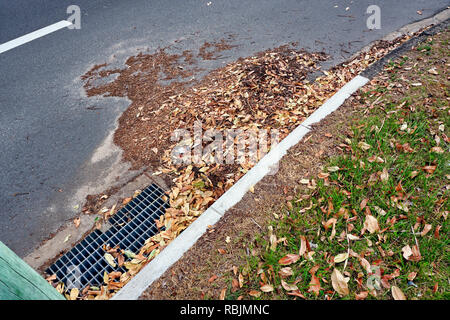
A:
x: 74, y: 294
x: 266, y: 288
x: 411, y: 254
x: 296, y: 293
x: 254, y: 293
x: 371, y: 224
x: 429, y: 169
x: 288, y: 287
x: 341, y: 257
x: 339, y: 283
x: 222, y: 294
x: 384, y: 175
x: 314, y: 285
x: 241, y: 280
x: 289, y: 259
x: 412, y: 276
x: 110, y: 259
x: 364, y: 146
x: 397, y: 294
x: 426, y: 229
x: 77, y: 222
x: 285, y: 272
x: 362, y: 295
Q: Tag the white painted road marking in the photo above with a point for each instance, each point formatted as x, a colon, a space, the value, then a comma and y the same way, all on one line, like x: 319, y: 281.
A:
x: 33, y: 35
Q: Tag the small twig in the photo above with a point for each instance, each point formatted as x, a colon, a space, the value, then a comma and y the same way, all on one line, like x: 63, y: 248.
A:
x: 256, y: 223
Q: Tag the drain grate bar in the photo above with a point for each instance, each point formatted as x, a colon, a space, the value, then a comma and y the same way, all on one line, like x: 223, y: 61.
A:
x: 130, y: 227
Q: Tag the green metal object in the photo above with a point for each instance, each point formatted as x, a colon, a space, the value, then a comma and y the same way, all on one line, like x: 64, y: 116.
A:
x: 18, y: 281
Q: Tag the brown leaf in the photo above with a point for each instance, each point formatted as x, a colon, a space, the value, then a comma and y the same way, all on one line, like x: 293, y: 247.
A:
x: 255, y: 293
x: 214, y: 277
x: 285, y: 272
x: 397, y: 294
x: 411, y: 254
x: 77, y: 222
x: 222, y: 294
x: 371, y: 224
x: 426, y: 229
x: 241, y: 280
x: 362, y: 295
x: 296, y: 293
x: 289, y: 259
x: 384, y: 175
x: 429, y: 169
x: 288, y: 287
x: 314, y: 285
x: 302, y: 246
x: 363, y: 204
x: 267, y: 288
x: 436, y: 232
x: 412, y: 276
x: 338, y: 282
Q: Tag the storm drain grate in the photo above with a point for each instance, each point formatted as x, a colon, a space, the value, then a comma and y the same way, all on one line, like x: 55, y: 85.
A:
x: 130, y: 228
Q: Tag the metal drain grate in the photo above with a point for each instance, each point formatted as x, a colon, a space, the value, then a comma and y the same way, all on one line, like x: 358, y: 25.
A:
x: 130, y: 228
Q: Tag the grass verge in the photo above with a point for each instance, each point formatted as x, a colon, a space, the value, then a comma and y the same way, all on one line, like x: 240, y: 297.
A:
x: 373, y: 223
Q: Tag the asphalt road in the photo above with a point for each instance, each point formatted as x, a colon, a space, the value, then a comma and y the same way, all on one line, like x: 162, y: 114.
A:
x: 49, y: 138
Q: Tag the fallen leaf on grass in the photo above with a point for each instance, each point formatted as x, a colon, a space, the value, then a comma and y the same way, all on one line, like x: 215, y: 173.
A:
x: 412, y: 276
x: 285, y: 272
x: 433, y: 71
x: 214, y: 277
x: 266, y: 288
x: 241, y: 280
x: 397, y: 294
x: 254, y: 293
x: 429, y: 169
x: 411, y: 254
x: 384, y: 175
x: 222, y: 294
x: 426, y: 229
x: 289, y: 259
x: 341, y: 257
x: 362, y: 295
x: 363, y: 203
x: 333, y: 169
x: 288, y: 287
x: 437, y: 150
x: 371, y: 224
x: 314, y: 285
x: 339, y: 283
x: 364, y: 146
x: 296, y: 293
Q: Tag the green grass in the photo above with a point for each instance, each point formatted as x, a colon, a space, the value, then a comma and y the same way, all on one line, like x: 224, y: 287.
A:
x: 410, y: 195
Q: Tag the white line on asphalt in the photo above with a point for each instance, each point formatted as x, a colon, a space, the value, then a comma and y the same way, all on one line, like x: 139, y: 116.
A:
x: 33, y: 35
x: 175, y: 250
